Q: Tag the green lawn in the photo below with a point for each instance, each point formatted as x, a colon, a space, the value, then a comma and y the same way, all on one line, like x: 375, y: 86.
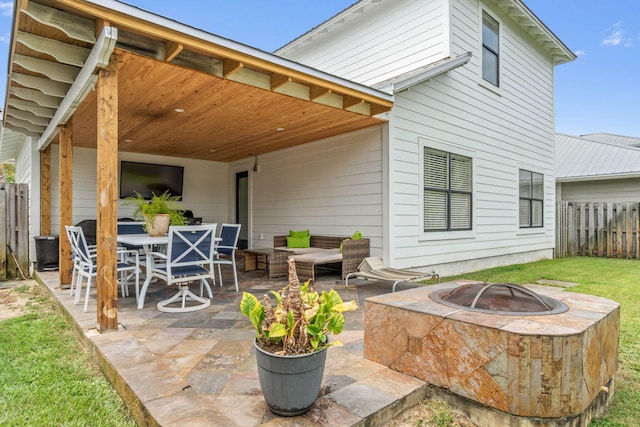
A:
x: 46, y: 379
x: 618, y: 280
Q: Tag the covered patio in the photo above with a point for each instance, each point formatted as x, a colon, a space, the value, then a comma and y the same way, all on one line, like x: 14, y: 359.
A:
x: 199, y: 368
x: 107, y: 76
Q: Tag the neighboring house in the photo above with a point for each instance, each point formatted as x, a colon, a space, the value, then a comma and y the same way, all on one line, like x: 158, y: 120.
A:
x: 427, y: 125
x: 597, y: 168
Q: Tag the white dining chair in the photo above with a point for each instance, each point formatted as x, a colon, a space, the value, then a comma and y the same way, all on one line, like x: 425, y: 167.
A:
x: 226, y: 250
x: 85, y: 266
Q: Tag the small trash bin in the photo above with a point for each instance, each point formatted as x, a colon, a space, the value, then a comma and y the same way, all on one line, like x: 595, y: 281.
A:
x: 47, y: 252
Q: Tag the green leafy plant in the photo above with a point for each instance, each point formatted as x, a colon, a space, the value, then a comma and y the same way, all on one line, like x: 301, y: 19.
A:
x: 162, y: 204
x: 301, y: 320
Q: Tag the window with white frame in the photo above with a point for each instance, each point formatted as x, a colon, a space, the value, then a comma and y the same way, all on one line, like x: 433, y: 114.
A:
x: 490, y: 49
x: 531, y: 199
x: 447, y: 191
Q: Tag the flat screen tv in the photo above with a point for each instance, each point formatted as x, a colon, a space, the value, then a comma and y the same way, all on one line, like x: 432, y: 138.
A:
x: 148, y: 178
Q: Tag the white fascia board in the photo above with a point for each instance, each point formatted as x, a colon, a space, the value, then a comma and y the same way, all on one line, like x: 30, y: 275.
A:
x: 170, y: 24
x: 83, y: 84
x: 606, y: 177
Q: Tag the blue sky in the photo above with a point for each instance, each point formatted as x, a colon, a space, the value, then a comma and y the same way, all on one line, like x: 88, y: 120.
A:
x: 598, y: 92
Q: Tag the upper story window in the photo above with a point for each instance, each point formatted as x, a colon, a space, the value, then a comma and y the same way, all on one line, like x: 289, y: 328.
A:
x: 447, y: 191
x: 490, y: 49
x: 531, y: 199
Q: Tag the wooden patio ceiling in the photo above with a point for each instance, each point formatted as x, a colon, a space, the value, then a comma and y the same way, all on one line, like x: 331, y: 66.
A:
x: 182, y: 92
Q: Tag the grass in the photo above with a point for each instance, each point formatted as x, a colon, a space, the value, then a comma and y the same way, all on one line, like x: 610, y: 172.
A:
x: 618, y: 280
x: 46, y: 379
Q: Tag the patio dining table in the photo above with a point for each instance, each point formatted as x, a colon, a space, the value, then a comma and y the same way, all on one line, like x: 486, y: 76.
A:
x: 147, y: 242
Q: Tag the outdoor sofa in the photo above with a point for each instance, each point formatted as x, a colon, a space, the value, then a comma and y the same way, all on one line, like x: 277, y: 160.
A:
x: 326, y: 251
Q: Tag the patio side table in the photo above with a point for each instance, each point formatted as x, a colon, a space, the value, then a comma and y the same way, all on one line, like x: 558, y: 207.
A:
x: 272, y: 260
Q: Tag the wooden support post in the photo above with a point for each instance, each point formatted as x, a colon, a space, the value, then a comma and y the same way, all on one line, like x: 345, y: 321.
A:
x: 65, y: 165
x: 107, y: 169
x: 45, y: 191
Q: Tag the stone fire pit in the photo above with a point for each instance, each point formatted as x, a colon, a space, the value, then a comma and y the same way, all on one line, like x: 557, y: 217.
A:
x: 556, y: 369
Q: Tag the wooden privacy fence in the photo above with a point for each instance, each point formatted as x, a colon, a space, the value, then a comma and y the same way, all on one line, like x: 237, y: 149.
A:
x: 14, y: 231
x: 598, y: 229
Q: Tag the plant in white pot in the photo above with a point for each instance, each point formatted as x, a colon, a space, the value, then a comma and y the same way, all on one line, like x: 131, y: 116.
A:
x: 159, y: 212
x: 291, y: 341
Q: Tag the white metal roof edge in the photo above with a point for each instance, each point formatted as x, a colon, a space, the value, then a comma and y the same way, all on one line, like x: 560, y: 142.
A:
x: 602, y: 177
x: 404, y: 81
x: 171, y: 24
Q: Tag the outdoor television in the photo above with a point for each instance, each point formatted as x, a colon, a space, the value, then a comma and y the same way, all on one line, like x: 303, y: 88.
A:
x: 148, y: 178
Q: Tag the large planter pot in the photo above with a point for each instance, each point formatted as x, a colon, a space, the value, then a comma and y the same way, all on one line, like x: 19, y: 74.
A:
x: 290, y: 384
x: 159, y: 225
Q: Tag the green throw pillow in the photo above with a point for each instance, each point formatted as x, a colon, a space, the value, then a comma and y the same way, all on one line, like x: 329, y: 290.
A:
x: 356, y: 236
x: 303, y: 233
x: 299, y: 242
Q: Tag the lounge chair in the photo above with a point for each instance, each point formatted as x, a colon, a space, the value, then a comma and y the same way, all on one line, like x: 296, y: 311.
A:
x: 373, y: 268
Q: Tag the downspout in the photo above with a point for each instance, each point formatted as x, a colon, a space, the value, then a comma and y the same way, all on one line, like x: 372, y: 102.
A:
x: 83, y: 84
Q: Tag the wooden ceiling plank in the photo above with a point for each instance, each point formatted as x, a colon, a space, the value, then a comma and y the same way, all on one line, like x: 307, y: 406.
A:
x: 46, y: 86
x: 28, y: 116
x: 73, y: 26
x: 63, y: 52
x: 36, y: 96
x: 53, y: 70
x: 31, y: 106
x: 172, y: 50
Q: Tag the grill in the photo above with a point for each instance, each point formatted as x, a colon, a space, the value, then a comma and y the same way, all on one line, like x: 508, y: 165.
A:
x: 498, y: 298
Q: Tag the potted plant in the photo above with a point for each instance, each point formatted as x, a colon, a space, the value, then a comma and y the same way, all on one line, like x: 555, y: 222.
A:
x: 291, y: 341
x: 158, y: 213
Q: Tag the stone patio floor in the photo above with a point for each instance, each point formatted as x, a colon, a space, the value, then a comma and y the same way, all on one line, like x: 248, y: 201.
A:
x: 199, y: 368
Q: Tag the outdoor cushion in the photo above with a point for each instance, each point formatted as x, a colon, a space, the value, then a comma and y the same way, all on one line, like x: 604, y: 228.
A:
x: 303, y: 233
x: 298, y: 242
x: 320, y: 256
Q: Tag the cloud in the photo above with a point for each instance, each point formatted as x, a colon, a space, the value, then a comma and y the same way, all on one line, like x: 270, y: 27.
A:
x: 617, y: 36
x: 6, y: 8
x: 580, y: 53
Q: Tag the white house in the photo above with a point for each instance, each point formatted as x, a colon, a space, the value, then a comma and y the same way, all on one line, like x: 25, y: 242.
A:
x: 426, y: 125
x: 597, y: 168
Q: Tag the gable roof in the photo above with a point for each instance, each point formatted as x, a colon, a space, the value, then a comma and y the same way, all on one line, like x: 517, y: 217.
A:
x: 183, y: 92
x: 515, y: 9
x: 613, y: 139
x: 579, y: 159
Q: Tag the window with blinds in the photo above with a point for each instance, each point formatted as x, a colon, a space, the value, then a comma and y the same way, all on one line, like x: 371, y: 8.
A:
x: 490, y: 49
x: 531, y: 199
x: 447, y: 191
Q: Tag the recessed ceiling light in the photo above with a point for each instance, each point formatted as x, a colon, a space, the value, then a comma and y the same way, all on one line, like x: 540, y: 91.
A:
x: 280, y: 129
x: 127, y: 140
x: 179, y: 110
x: 212, y: 150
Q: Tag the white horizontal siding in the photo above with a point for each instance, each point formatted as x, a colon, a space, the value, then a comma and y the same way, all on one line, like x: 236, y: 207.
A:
x: 205, y: 192
x: 612, y: 190
x: 387, y: 40
x: 504, y: 132
x: 332, y: 187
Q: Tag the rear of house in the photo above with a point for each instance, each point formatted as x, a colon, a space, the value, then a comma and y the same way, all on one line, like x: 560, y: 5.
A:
x: 468, y: 153
x: 459, y: 178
